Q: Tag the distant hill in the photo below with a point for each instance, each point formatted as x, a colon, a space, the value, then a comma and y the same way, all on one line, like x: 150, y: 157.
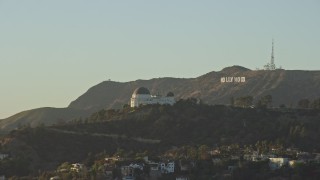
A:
x: 286, y: 87
x: 45, y: 116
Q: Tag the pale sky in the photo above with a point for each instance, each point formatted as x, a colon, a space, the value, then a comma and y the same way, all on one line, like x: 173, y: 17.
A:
x: 51, y: 52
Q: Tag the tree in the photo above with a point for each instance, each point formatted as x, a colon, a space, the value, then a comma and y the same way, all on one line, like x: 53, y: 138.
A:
x: 316, y: 104
x: 111, y: 113
x: 191, y: 153
x: 265, y: 101
x: 262, y: 147
x: 203, y: 152
x: 64, y: 166
x: 244, y: 101
x: 303, y: 103
x: 282, y: 106
x: 120, y: 152
x: 232, y: 101
x: 125, y: 106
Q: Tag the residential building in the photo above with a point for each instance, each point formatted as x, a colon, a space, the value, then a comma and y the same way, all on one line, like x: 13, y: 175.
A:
x: 277, y: 163
x: 52, y: 178
x: 182, y: 178
x: 293, y: 163
x: 136, y: 166
x: 167, y: 168
x: 216, y: 161
x: 3, y: 156
x: 127, y: 172
x: 77, y: 167
x: 257, y: 157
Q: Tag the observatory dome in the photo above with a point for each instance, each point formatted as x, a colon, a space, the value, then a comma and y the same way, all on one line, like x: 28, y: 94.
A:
x: 141, y: 90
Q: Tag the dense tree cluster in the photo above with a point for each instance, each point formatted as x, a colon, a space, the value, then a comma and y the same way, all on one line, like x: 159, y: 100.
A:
x: 190, y: 122
x: 154, y: 129
x: 306, y: 103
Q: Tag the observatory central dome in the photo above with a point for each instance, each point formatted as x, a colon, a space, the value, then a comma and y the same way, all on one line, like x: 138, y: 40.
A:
x: 142, y: 96
x: 141, y: 90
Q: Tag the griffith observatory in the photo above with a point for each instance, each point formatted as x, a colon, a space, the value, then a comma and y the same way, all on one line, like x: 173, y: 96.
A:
x: 142, y: 96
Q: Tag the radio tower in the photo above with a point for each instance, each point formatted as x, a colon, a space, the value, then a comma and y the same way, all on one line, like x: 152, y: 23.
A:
x: 272, y: 65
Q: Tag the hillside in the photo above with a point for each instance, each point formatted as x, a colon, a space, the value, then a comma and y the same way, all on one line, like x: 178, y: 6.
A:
x: 45, y: 116
x: 190, y: 123
x: 286, y: 87
x: 156, y: 129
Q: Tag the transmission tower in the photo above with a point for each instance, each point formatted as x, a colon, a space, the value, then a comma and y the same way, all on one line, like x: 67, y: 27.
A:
x: 272, y: 65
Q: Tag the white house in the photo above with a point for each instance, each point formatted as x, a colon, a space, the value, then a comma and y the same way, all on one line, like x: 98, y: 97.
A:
x: 53, y: 178
x: 277, y: 163
x: 153, y: 166
x: 216, y: 161
x: 3, y: 156
x: 155, y: 171
x: 293, y: 163
x: 128, y: 178
x: 142, y: 96
x: 256, y: 157
x: 127, y: 171
x: 136, y: 166
x: 182, y: 178
x: 317, y: 157
x: 77, y: 167
x: 167, y: 168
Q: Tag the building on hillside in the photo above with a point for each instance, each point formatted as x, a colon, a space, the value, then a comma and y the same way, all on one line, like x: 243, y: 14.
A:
x: 142, y: 96
x: 77, y: 167
x: 186, y: 165
x: 294, y: 163
x: 136, y: 166
x: 167, y: 168
x: 182, y: 178
x: 127, y: 173
x: 3, y: 156
x: 257, y: 157
x: 52, y: 178
x: 217, y: 161
x: 155, y: 172
x: 277, y: 163
x: 316, y: 157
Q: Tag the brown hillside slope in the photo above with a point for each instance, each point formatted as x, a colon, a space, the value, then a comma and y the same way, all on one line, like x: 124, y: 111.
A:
x: 286, y: 87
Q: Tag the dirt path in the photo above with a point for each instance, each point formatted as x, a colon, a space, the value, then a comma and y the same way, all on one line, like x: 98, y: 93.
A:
x: 116, y: 136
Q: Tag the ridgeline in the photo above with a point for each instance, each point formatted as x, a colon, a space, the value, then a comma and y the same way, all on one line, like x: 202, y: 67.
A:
x: 287, y: 87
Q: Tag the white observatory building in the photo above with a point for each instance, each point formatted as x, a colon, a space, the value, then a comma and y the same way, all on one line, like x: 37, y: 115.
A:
x: 142, y: 96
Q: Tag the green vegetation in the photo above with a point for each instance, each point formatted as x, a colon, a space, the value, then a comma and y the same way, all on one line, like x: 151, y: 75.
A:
x: 189, y: 123
x: 244, y: 101
x: 154, y: 129
x: 306, y: 103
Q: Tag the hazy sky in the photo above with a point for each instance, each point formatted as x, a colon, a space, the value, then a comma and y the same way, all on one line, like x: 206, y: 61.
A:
x: 51, y: 52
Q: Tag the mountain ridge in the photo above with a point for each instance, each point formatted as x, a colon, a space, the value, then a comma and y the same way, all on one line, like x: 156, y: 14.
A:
x: 286, y: 87
x: 41, y: 116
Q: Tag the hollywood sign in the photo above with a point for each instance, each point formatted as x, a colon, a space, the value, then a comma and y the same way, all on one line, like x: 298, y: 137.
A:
x: 233, y: 79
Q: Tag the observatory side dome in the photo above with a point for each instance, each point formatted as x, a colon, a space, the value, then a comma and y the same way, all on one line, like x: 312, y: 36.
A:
x: 170, y: 94
x: 141, y: 90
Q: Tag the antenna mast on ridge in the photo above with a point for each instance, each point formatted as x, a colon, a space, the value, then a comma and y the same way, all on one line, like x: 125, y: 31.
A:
x: 272, y: 65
